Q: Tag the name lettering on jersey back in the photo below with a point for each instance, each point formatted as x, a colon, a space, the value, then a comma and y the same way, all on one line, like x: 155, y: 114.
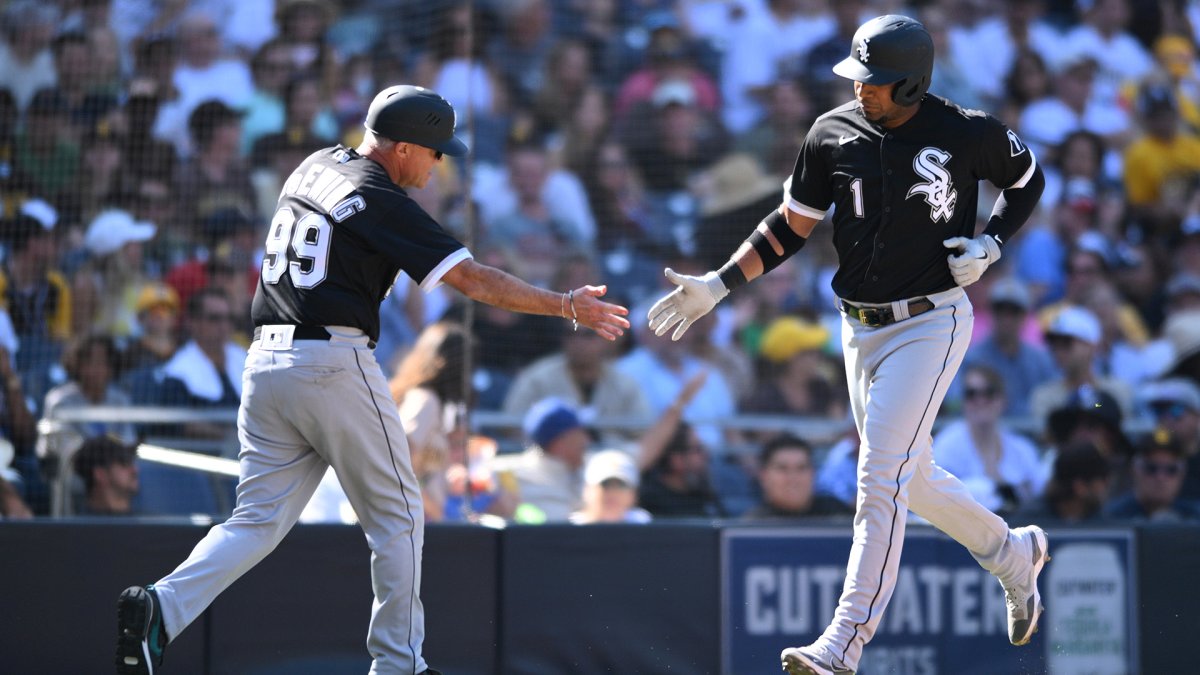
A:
x: 322, y: 185
x: 940, y: 195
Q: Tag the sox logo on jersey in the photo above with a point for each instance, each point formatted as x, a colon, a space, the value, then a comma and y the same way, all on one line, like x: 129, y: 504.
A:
x: 940, y: 195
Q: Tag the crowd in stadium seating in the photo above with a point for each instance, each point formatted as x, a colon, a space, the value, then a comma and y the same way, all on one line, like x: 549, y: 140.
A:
x: 143, y: 144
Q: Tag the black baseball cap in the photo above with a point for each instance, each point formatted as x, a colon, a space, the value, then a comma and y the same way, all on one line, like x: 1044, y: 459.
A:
x: 410, y: 114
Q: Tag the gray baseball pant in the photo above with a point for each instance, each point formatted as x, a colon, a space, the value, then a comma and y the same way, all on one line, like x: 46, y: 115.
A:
x: 898, y: 375
x: 307, y: 405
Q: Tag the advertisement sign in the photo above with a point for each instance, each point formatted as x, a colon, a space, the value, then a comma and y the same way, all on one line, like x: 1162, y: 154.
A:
x: 947, y: 615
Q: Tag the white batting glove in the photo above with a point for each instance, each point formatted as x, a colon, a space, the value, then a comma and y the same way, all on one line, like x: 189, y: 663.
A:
x: 974, y: 256
x: 693, y: 298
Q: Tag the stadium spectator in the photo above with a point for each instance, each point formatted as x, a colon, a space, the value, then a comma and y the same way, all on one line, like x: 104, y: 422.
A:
x: 38, y: 301
x: 759, y: 47
x: 664, y: 369
x: 678, y: 484
x: 106, y: 286
x: 1092, y: 416
x: 541, y: 219
x: 1103, y: 35
x: 951, y: 79
x: 795, y: 377
x: 548, y: 474
x: 428, y: 389
x: 272, y: 68
x: 1176, y: 57
x: 1074, y: 105
x: 303, y: 27
x: 826, y: 88
x: 157, y: 310
x: 1078, y: 487
x: 1028, y: 79
x: 1126, y: 360
x: 1000, y: 467
x: 101, y: 180
x: 1073, y: 338
x: 583, y: 374
x: 215, y: 177
x: 671, y: 139
x: 776, y: 140
x: 785, y: 476
x: 45, y: 156
x: 1174, y: 406
x: 1022, y: 363
x: 993, y: 46
x: 91, y: 364
x: 632, y: 237
x: 568, y: 75
x: 582, y: 133
x: 610, y: 485
x: 146, y: 157
x: 838, y: 475
x: 205, y: 372
x: 1159, y: 469
x: 1162, y: 164
x: 203, y: 73
x: 1088, y: 265
x: 26, y: 61
x: 668, y: 57
x: 110, y: 476
x: 522, y: 46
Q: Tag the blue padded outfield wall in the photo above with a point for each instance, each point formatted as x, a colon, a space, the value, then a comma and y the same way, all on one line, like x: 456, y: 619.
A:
x: 690, y: 598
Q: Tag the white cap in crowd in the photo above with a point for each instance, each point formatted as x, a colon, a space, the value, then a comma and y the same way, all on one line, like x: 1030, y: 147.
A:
x: 1076, y: 322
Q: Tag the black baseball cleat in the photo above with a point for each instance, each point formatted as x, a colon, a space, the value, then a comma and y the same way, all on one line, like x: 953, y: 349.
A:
x: 141, y: 636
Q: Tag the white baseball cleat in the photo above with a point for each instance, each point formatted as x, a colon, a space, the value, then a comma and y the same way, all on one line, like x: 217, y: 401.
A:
x: 801, y: 661
x: 1022, y: 597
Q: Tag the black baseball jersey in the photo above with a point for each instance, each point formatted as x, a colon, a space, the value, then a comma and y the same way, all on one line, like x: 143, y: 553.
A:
x: 898, y: 193
x: 341, y: 234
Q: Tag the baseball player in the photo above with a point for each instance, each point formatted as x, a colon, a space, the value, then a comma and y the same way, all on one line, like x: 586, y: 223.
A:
x: 901, y: 168
x: 313, y: 395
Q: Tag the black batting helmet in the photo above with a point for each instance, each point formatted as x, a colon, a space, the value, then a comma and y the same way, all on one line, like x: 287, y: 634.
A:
x: 414, y: 115
x: 891, y: 48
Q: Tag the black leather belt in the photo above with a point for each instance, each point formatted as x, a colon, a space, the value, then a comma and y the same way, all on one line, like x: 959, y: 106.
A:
x: 875, y: 317
x: 307, y: 333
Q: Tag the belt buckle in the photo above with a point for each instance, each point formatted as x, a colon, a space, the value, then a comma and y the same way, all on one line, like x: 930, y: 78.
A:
x: 872, y: 317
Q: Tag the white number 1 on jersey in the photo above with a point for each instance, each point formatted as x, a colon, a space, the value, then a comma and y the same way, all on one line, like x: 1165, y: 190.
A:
x: 856, y: 190
x: 309, y: 242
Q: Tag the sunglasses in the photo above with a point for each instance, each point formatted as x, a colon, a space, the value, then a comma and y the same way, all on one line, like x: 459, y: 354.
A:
x: 976, y: 393
x: 1170, y: 470
x: 1054, y: 341
x: 1172, y: 411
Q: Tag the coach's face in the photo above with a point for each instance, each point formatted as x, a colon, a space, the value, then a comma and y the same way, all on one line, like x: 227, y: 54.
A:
x: 416, y: 164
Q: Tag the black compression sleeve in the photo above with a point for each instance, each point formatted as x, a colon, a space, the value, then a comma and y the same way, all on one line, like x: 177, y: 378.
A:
x: 775, y: 223
x: 731, y: 275
x: 1014, y: 207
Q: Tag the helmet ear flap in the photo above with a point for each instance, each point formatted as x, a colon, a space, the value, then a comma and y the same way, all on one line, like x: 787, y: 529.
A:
x: 910, y: 89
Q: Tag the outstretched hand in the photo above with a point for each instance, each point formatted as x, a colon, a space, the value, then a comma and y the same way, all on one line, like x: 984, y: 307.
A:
x: 692, y: 298
x: 607, y: 319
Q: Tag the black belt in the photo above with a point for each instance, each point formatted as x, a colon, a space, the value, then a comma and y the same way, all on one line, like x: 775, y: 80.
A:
x: 307, y: 333
x: 875, y: 317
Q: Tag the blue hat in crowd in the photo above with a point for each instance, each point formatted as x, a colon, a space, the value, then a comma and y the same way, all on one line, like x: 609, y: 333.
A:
x: 548, y: 419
